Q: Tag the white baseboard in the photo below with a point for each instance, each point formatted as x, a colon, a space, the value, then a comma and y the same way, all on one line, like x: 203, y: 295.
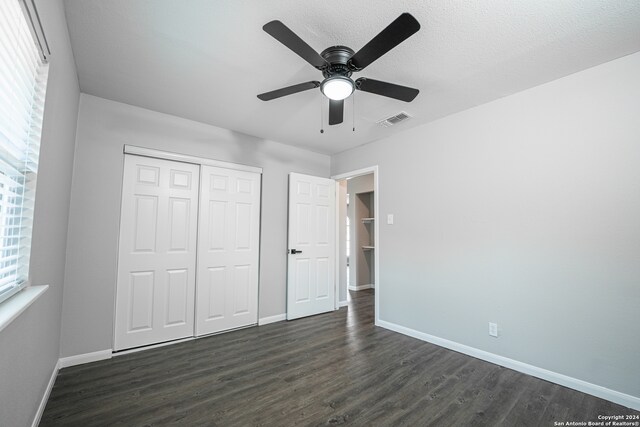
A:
x: 45, y: 397
x: 343, y: 303
x: 80, y: 359
x: 272, y: 319
x: 595, y: 390
x: 360, y: 287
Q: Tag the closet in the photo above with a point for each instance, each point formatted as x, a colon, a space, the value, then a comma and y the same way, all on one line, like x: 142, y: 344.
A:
x: 365, y: 247
x: 362, y: 241
x: 188, y: 251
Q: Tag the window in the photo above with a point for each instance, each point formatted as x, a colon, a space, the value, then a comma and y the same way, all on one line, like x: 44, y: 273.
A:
x: 23, y: 75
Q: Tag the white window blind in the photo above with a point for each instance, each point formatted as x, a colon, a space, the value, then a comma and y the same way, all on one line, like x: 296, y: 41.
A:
x: 23, y: 76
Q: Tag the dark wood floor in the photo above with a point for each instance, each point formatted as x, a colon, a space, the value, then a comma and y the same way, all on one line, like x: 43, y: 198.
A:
x: 335, y: 368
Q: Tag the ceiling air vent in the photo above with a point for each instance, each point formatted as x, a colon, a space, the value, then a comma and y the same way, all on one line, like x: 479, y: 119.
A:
x: 394, y: 120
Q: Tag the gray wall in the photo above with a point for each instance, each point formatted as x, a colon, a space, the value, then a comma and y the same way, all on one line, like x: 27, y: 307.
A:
x: 29, y: 346
x: 525, y: 212
x: 103, y: 128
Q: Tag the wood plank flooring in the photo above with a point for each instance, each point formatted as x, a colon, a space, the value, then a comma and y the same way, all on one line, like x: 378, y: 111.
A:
x: 331, y: 369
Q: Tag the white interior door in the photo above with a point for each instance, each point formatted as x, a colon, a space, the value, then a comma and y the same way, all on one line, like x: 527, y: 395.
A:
x: 228, y: 250
x: 311, y: 263
x: 157, y: 252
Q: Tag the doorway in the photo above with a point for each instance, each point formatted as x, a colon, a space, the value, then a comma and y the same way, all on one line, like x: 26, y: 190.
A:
x: 357, y: 235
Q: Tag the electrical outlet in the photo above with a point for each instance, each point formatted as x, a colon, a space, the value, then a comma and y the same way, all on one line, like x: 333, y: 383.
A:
x: 493, y: 329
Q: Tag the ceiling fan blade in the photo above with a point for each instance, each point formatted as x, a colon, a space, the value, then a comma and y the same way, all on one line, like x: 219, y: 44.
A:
x: 284, y: 35
x: 336, y: 111
x: 398, y: 31
x: 289, y: 90
x: 403, y: 93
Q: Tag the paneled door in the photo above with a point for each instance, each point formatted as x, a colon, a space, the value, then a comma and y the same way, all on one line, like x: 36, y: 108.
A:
x: 155, y: 289
x: 312, y: 242
x: 228, y: 250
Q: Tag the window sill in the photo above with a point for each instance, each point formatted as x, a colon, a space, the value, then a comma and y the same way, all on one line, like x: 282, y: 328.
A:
x: 11, y: 308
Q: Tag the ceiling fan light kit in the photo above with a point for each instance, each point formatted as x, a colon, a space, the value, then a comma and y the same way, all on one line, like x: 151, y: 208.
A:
x: 337, y: 88
x: 337, y: 63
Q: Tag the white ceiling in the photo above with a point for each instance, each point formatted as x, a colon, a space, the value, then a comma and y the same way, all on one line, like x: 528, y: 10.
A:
x: 206, y: 60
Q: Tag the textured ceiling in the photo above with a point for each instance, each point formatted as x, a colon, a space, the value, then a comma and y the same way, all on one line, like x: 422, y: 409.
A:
x: 207, y: 60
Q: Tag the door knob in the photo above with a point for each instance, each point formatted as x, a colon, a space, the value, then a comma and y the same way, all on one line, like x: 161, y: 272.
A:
x: 295, y: 251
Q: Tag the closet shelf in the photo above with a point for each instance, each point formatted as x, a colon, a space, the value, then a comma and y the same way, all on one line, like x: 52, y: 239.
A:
x: 368, y: 248
x: 368, y: 219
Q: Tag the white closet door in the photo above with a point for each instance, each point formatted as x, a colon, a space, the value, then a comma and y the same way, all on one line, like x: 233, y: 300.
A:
x: 155, y: 290
x: 228, y: 250
x: 312, y: 258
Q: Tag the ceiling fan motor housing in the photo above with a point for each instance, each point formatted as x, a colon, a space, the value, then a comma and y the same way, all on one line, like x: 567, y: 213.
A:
x: 338, y: 58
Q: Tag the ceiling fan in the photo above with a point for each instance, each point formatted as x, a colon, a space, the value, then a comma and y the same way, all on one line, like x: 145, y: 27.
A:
x: 337, y: 63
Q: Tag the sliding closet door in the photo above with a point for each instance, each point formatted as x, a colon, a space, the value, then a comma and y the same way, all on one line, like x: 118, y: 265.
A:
x: 157, y: 252
x: 228, y: 239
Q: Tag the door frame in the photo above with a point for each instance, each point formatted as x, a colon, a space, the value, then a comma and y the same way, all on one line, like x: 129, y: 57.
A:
x: 376, y: 225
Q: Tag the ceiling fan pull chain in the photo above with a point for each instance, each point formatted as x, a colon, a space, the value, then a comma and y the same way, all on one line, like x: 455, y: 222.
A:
x: 353, y: 111
x: 321, y: 116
